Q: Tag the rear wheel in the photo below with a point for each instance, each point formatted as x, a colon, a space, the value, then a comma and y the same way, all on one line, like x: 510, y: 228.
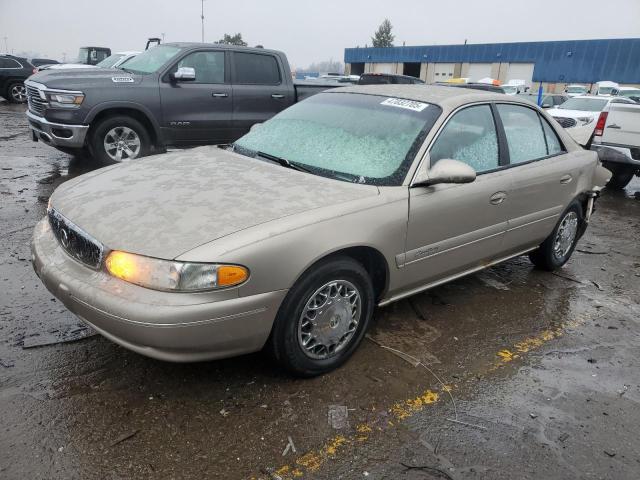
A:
x: 323, y: 318
x: 119, y: 139
x: 557, y: 248
x: 17, y: 93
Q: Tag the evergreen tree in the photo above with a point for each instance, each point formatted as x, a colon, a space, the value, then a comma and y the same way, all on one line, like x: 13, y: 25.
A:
x: 383, y: 36
x: 233, y: 40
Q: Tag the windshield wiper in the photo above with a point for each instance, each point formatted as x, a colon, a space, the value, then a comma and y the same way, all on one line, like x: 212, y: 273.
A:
x: 284, y: 162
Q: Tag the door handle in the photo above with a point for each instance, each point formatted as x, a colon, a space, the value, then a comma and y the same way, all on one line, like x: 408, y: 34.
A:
x: 566, y: 179
x: 219, y: 95
x: 497, y: 198
x: 277, y: 96
x: 613, y: 125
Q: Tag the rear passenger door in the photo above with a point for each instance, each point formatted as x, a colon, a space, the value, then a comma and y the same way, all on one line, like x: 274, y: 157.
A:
x: 259, y: 89
x: 543, y: 175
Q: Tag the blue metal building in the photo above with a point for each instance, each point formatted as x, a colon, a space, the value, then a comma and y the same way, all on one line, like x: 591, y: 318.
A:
x: 583, y: 61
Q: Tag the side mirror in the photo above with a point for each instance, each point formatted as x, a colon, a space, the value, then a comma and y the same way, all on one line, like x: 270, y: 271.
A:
x: 446, y: 171
x: 184, y: 74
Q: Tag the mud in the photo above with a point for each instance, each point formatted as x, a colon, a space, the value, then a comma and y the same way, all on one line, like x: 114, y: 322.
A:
x: 524, y: 374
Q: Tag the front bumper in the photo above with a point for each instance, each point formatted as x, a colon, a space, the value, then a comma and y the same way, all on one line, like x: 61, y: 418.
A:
x: 57, y: 134
x: 176, y: 327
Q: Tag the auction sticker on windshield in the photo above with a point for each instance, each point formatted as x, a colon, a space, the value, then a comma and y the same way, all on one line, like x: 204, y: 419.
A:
x: 408, y: 104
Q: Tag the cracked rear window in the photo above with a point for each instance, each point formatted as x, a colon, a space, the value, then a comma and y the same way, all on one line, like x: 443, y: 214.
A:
x: 355, y: 137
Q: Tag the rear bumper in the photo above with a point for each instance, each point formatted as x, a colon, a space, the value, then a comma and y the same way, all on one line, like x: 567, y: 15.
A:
x: 57, y: 134
x: 167, y: 326
x: 615, y: 154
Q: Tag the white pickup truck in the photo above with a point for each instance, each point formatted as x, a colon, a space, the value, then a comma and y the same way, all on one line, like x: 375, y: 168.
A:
x: 616, y: 138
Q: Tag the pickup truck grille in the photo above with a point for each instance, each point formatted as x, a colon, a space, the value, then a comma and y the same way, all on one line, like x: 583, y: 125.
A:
x: 566, y: 122
x: 36, y: 104
x: 77, y: 243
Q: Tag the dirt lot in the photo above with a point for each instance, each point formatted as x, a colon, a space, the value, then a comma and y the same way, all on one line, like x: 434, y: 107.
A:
x: 525, y: 375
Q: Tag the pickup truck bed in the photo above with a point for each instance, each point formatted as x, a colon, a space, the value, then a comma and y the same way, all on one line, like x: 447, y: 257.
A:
x: 617, y: 141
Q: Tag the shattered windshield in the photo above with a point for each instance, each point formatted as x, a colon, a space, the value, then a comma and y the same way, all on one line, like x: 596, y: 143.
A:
x: 353, y: 137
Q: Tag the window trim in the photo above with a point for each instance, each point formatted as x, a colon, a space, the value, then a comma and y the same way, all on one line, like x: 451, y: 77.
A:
x: 234, y: 73
x: 563, y: 148
x: 13, y: 68
x: 227, y: 74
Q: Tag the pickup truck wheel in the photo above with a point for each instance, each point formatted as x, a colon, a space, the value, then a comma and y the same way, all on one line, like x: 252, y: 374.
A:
x: 620, y: 178
x: 557, y: 248
x: 17, y: 93
x: 120, y: 139
x: 323, y: 318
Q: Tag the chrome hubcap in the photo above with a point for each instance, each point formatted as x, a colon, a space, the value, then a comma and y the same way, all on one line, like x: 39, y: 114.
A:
x: 19, y: 93
x: 329, y: 319
x: 566, y: 235
x: 122, y: 143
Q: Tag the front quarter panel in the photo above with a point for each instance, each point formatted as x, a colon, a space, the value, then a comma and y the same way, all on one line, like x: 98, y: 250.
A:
x: 279, y: 252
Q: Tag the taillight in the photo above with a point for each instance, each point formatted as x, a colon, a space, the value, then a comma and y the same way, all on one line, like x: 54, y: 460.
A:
x: 602, y: 120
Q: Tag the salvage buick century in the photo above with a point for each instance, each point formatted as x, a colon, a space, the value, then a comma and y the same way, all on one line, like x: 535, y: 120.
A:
x: 288, y: 239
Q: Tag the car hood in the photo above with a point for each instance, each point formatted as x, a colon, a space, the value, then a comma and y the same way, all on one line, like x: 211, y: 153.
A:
x: 166, y: 205
x: 83, y: 78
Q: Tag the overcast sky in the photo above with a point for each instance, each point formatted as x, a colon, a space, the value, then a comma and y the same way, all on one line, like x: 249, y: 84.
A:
x: 308, y: 31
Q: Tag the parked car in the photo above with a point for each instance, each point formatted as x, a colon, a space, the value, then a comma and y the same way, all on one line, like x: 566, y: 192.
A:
x: 579, y: 114
x: 509, y: 89
x: 387, y: 78
x: 13, y: 72
x: 605, y: 88
x: 630, y: 92
x: 616, y: 138
x: 112, y: 61
x: 515, y: 86
x: 574, y: 90
x: 549, y: 100
x: 172, y: 94
x: 288, y: 239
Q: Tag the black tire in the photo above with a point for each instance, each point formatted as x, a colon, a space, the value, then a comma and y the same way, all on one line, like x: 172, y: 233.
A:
x: 120, y: 123
x: 620, y: 178
x: 16, y: 93
x: 284, y: 343
x: 546, y: 256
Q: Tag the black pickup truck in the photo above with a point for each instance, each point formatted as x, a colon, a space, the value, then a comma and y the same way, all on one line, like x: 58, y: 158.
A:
x: 172, y: 94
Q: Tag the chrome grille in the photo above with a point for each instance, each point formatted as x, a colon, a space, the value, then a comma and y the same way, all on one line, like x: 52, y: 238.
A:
x: 566, y: 122
x: 77, y: 243
x: 36, y: 104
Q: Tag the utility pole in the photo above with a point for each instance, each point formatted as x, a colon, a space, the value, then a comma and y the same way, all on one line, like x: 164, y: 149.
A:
x: 64, y: 57
x: 202, y: 18
x: 6, y: 46
x: 162, y: 37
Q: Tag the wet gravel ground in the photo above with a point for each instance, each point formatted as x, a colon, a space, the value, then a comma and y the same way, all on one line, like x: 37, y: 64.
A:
x: 524, y: 374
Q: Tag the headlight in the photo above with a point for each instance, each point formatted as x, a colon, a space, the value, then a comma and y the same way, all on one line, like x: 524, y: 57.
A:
x: 172, y: 275
x: 64, y: 99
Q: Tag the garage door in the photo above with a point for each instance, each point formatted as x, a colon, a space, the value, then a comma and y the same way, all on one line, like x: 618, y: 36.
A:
x: 520, y: 71
x: 478, y: 71
x: 443, y: 71
x: 384, y: 68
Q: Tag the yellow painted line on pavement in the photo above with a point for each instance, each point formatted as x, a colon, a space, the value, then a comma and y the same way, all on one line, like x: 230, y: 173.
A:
x: 314, y: 460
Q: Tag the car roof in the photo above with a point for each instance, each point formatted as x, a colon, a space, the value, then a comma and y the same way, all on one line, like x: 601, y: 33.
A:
x: 446, y: 97
x: 193, y: 45
x: 132, y: 52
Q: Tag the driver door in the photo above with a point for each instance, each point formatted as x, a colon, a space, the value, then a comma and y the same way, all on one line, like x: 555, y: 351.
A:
x: 200, y: 110
x: 456, y: 227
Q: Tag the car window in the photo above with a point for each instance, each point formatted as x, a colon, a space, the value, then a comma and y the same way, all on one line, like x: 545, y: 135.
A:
x: 525, y: 137
x: 209, y: 66
x: 256, y: 69
x: 9, y: 63
x: 554, y: 146
x: 469, y: 136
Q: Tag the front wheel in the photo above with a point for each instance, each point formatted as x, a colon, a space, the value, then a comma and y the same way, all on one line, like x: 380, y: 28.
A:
x: 119, y: 139
x: 17, y: 93
x: 557, y: 248
x: 323, y: 318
